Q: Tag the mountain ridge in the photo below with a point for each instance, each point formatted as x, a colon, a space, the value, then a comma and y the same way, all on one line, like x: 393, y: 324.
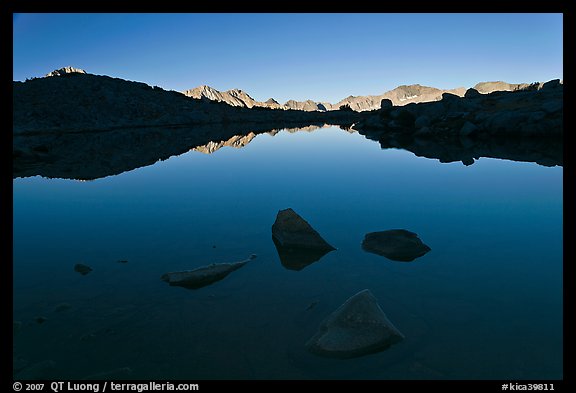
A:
x: 399, y: 96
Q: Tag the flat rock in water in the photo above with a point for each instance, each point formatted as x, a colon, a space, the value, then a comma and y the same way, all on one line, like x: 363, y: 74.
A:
x: 82, y: 269
x: 291, y: 230
x: 358, y: 327
x: 395, y: 244
x: 205, y: 275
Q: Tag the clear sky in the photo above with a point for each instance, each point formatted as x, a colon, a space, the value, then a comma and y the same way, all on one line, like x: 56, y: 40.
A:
x: 323, y: 57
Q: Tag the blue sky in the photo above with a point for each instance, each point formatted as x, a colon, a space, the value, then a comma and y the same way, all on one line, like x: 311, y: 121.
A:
x: 323, y: 57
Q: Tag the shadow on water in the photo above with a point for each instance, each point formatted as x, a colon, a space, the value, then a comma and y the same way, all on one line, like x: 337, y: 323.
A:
x: 93, y: 155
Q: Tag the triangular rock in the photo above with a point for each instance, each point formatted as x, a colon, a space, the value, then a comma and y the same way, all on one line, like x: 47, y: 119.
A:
x: 291, y: 230
x: 358, y: 327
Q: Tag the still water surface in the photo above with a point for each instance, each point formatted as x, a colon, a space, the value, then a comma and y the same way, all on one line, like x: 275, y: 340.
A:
x: 484, y: 303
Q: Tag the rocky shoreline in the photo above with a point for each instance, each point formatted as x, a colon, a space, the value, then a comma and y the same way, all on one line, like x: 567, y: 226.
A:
x: 534, y: 111
x: 83, y: 126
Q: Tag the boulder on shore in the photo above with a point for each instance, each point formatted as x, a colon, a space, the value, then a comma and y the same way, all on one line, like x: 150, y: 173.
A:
x: 203, y: 276
x: 358, y: 327
x: 396, y: 244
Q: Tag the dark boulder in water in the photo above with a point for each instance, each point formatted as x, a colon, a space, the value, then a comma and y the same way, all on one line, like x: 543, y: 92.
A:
x: 395, y: 244
x: 203, y: 276
x: 291, y: 230
x: 82, y: 269
x: 297, y: 243
x: 358, y: 327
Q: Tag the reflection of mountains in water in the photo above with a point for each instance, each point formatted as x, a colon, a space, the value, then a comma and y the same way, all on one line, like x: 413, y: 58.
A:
x: 239, y: 141
x: 93, y: 155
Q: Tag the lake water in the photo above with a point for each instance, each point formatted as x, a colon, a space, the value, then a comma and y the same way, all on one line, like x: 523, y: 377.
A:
x: 484, y: 303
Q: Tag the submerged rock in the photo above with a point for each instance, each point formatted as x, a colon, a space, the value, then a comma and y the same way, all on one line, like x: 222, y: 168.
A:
x: 291, y: 230
x: 62, y: 307
x: 202, y: 276
x: 82, y: 269
x: 396, y: 244
x: 297, y: 243
x: 358, y: 327
x: 312, y: 305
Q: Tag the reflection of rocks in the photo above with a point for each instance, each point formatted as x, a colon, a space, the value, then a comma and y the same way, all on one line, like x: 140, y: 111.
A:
x: 395, y: 244
x: 291, y: 230
x: 202, y: 276
x: 82, y: 269
x: 237, y: 141
x: 541, y: 150
x: 88, y: 156
x: 93, y: 155
x: 297, y: 258
x: 358, y: 327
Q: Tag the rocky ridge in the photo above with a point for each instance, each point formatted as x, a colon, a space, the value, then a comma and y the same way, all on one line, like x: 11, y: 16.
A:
x: 86, y: 102
x: 65, y: 71
x: 401, y: 95
x: 535, y: 110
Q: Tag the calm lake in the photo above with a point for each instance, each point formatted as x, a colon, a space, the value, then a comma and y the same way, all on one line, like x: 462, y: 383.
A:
x: 484, y: 303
